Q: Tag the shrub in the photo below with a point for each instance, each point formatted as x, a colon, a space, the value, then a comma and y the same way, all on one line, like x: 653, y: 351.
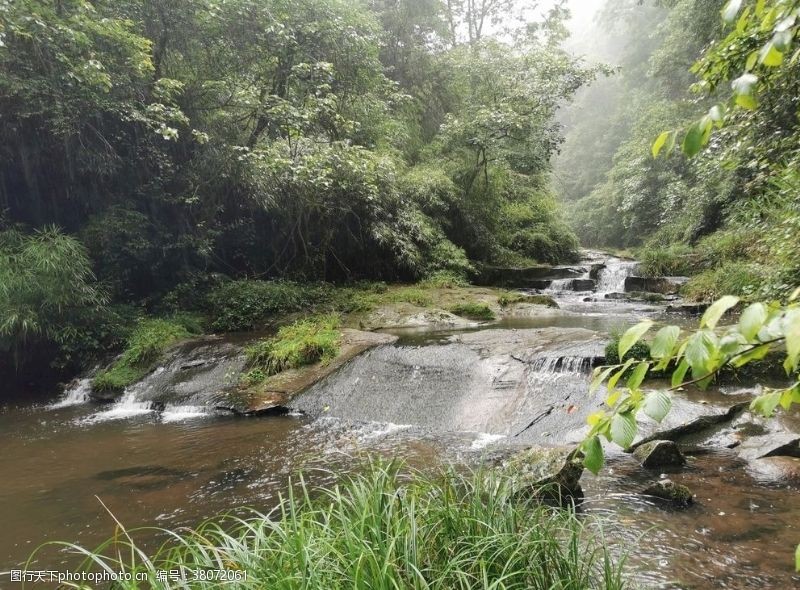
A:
x: 444, y: 280
x: 731, y: 278
x: 385, y: 529
x: 45, y: 280
x: 412, y: 295
x: 302, y: 343
x: 473, y: 311
x: 675, y: 260
x: 514, y: 297
x: 247, y: 304
x: 639, y: 351
x: 146, y: 344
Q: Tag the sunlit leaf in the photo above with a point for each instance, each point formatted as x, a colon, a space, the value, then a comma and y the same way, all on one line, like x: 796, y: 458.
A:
x: 765, y: 404
x: 730, y: 10
x: 632, y: 336
x: 593, y: 458
x: 713, y: 314
x: 770, y: 56
x: 680, y: 373
x: 693, y: 141
x: 659, y: 144
x: 664, y: 342
x: 638, y: 375
x: 792, y: 332
x: 623, y: 429
x: 657, y: 405
x: 599, y: 378
x: 752, y: 320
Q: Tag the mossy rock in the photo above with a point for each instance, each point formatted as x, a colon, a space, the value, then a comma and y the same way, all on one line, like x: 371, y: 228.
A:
x: 659, y: 453
x: 546, y: 473
x: 668, y: 491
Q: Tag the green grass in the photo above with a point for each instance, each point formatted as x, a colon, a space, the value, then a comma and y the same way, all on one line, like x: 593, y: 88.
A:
x: 444, y: 280
x: 413, y: 295
x: 473, y: 311
x: 146, y: 344
x: 383, y: 530
x: 304, y: 342
x: 514, y: 297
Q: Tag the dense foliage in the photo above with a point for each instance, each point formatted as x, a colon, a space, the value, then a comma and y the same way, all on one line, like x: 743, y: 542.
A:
x: 312, y: 139
x: 729, y: 213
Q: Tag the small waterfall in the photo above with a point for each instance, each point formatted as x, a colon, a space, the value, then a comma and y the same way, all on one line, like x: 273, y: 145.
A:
x: 574, y: 365
x: 187, y: 386
x: 612, y: 277
x: 75, y: 395
x: 560, y: 285
x: 128, y: 406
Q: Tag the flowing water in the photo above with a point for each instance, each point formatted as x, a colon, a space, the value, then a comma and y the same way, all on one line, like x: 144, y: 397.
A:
x: 165, y: 455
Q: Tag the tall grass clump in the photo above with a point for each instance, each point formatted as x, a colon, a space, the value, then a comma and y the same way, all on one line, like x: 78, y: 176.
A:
x: 383, y: 530
x: 304, y: 342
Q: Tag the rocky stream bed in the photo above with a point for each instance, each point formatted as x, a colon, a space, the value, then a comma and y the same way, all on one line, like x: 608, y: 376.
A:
x: 432, y: 388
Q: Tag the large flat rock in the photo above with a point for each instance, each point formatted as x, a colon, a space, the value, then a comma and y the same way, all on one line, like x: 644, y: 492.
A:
x: 278, y: 390
x: 490, y: 381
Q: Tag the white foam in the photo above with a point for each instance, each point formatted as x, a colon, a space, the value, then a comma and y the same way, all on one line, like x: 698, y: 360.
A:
x: 180, y: 413
x: 485, y: 439
x: 79, y: 394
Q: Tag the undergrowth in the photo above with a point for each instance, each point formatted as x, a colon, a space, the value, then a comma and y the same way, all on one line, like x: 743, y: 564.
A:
x: 304, y: 342
x: 381, y: 530
x: 149, y: 339
x: 473, y: 311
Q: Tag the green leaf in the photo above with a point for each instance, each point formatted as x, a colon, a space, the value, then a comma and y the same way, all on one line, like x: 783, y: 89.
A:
x: 593, y: 458
x: 713, y: 314
x: 770, y: 56
x: 657, y: 405
x: 755, y: 354
x: 747, y: 101
x: 791, y: 329
x: 632, y: 336
x: 638, y: 375
x: 660, y: 143
x: 752, y: 320
x: 664, y: 342
x: 612, y: 383
x: 680, y: 373
x: 752, y: 60
x: 766, y: 404
x: 623, y: 429
x: 599, y: 377
x: 730, y: 10
x: 693, y: 141
x: 700, y: 353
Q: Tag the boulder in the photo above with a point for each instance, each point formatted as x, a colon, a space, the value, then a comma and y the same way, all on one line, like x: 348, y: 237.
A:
x: 583, y: 285
x: 659, y: 453
x: 594, y: 271
x: 663, y: 285
x: 546, y: 473
x: 786, y: 444
x: 532, y: 276
x: 668, y: 491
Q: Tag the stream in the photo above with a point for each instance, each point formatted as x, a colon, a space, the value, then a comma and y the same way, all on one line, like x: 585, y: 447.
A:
x: 432, y: 398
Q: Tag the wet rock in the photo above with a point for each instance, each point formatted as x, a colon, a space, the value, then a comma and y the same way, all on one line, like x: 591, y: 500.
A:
x: 663, y: 285
x: 525, y: 277
x: 688, y: 308
x: 594, y: 271
x: 686, y: 418
x: 546, y: 473
x: 583, y: 285
x: 776, y: 470
x: 675, y: 494
x: 785, y: 444
x: 659, y: 453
